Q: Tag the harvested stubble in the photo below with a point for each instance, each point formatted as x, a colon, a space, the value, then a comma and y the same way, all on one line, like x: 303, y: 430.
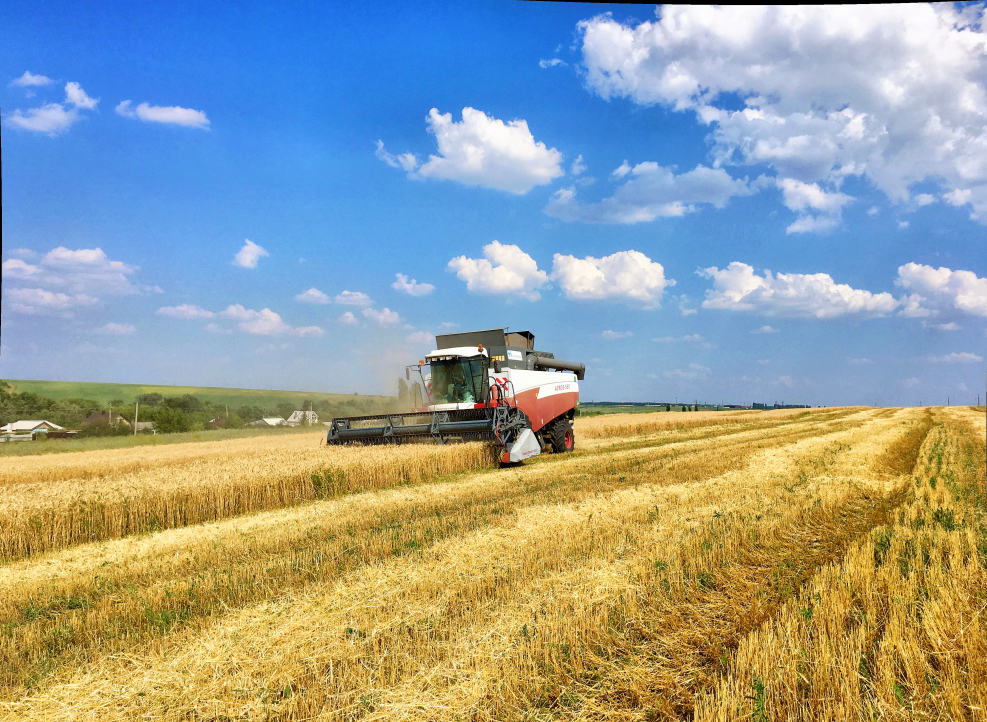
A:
x: 118, y: 462
x: 37, y: 517
x: 123, y: 492
x: 894, y: 631
x: 613, y: 600
x: 622, y: 425
x: 109, y: 596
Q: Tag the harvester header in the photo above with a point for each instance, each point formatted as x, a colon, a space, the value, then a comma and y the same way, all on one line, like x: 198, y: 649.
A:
x: 481, y: 385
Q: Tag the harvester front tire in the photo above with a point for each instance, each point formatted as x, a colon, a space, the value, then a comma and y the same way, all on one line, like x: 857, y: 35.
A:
x: 562, y: 438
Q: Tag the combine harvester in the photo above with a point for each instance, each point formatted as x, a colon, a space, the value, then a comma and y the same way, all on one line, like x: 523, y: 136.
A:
x: 481, y: 385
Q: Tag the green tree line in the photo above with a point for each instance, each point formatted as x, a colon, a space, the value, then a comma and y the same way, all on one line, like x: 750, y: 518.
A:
x: 170, y: 413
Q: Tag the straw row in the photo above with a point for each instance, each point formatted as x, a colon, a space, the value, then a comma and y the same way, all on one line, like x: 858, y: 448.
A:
x: 36, y: 518
x: 202, y: 486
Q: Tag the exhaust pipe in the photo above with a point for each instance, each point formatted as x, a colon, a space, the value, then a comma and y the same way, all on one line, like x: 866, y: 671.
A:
x: 542, y: 362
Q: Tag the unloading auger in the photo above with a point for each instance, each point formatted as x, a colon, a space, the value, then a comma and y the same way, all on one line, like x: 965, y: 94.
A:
x: 481, y: 385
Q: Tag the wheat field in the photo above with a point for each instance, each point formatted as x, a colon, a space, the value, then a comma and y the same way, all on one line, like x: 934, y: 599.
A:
x: 825, y: 564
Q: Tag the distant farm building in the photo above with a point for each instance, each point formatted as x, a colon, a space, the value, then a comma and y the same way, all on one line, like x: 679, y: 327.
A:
x: 29, y: 427
x: 28, y: 430
x: 101, y: 417
x: 298, y: 418
x: 269, y: 421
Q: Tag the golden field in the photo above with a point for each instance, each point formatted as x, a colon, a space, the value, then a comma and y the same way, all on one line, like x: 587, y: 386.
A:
x: 824, y: 564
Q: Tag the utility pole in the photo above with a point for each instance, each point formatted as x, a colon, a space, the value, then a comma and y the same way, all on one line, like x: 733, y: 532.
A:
x: 137, y: 408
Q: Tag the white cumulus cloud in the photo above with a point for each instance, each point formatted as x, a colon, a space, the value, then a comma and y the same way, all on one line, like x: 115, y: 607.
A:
x: 895, y: 93
x: 86, y: 270
x: 248, y: 256
x: 505, y: 270
x: 625, y: 275
x: 652, y: 191
x: 615, y: 335
x: 958, y: 197
x: 620, y: 171
x: 941, y: 290
x: 738, y: 288
x: 266, y: 323
x: 116, y: 329
x: 348, y: 319
x: 551, y: 63
x: 963, y: 357
x: 30, y: 80
x: 482, y: 151
x: 186, y: 311
x: 818, y: 210
x: 50, y: 118
x: 764, y: 329
x: 694, y: 372
x: 412, y: 287
x: 692, y: 338
x: 353, y: 298
x: 39, y: 301
x: 75, y: 95
x: 54, y: 118
x: 405, y: 161
x: 312, y: 295
x: 17, y: 269
x: 682, y: 300
x: 420, y: 337
x: 384, y: 317
x: 170, y: 114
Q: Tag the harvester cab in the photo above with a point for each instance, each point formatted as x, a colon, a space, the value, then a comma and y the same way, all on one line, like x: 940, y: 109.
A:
x: 482, y: 385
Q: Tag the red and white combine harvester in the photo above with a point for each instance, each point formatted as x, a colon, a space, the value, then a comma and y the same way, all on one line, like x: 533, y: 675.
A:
x: 481, y: 385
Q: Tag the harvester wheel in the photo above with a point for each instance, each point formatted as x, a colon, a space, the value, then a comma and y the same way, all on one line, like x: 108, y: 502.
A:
x: 562, y: 438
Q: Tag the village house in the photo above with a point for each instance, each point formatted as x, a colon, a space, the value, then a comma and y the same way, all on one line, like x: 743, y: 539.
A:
x: 299, y: 418
x: 29, y: 426
x: 102, y: 417
x: 269, y: 421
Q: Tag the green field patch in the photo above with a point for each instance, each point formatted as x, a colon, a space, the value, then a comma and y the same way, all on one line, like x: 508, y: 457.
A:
x: 104, y: 392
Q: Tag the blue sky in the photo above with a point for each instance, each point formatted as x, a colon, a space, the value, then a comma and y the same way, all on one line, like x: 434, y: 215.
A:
x: 725, y: 204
